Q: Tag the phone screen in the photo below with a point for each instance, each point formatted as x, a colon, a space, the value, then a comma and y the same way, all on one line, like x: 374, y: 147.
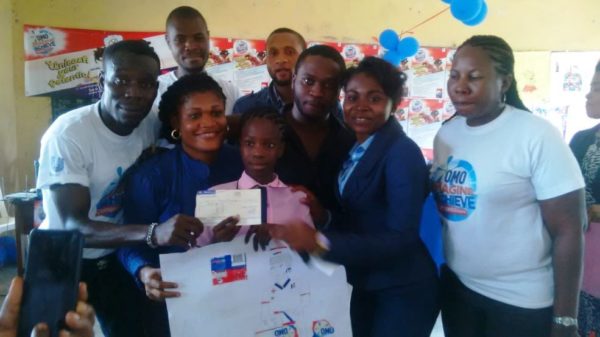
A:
x: 51, y: 282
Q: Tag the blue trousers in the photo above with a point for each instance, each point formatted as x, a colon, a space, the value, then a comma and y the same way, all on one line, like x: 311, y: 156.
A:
x: 408, y: 311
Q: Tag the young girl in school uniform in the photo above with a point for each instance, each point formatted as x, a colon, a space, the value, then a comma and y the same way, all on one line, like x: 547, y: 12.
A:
x: 261, y: 145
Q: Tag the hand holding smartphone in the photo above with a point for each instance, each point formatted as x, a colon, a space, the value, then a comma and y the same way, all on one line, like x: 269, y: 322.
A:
x: 51, y: 280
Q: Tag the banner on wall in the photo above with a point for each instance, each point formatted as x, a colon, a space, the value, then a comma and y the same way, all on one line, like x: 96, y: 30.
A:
x: 58, y: 59
x: 65, y: 63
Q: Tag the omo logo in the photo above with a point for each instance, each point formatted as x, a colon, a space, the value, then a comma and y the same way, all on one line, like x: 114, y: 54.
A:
x: 416, y: 105
x: 241, y: 46
x: 455, y: 187
x: 421, y: 55
x: 282, y: 332
x: 455, y: 177
x: 350, y: 51
x: 42, y: 41
x: 322, y: 328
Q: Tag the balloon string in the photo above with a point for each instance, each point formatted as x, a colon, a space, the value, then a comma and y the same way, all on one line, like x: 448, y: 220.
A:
x: 423, y: 22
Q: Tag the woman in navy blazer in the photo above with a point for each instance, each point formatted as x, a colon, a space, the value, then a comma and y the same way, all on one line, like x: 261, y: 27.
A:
x: 381, y: 187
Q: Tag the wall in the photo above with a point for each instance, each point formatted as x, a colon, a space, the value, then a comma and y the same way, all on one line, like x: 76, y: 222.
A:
x: 526, y: 24
x: 8, y: 118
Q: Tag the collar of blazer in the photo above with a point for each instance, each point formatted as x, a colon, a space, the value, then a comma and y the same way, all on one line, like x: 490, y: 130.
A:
x: 389, y: 133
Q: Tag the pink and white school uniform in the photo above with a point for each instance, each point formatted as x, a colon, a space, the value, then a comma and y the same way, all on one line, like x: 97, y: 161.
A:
x: 283, y: 205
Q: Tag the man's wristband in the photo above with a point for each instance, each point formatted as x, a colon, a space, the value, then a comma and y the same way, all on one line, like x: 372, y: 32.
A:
x: 150, y: 234
x: 565, y: 321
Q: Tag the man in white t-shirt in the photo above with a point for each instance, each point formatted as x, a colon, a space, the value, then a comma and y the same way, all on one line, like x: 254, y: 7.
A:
x: 188, y: 39
x: 83, y: 157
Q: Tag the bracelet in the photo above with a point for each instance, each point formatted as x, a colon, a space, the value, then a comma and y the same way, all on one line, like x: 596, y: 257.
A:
x: 565, y: 321
x: 150, y: 234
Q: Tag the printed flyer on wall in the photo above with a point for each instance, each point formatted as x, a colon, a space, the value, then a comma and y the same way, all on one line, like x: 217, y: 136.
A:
x: 571, y: 74
x: 427, y: 72
x: 424, y: 118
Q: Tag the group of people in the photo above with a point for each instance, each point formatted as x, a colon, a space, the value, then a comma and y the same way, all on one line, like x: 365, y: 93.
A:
x: 509, y: 191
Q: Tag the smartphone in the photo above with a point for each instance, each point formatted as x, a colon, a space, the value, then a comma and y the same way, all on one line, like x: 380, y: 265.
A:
x: 51, y: 280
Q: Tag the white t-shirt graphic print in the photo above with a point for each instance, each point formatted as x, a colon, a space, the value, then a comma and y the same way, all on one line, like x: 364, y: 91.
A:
x: 78, y: 148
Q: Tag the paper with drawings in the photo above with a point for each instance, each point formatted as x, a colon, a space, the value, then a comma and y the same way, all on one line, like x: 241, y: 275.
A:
x: 214, y: 206
x: 229, y: 290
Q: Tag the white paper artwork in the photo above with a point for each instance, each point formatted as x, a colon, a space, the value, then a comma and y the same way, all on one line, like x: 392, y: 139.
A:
x: 229, y: 290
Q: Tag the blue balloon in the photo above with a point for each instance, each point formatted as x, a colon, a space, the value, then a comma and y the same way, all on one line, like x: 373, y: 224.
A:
x: 393, y: 57
x: 479, y: 18
x: 408, y: 46
x: 388, y: 39
x: 465, y: 10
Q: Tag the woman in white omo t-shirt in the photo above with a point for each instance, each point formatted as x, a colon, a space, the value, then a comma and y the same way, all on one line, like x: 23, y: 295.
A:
x: 511, y: 199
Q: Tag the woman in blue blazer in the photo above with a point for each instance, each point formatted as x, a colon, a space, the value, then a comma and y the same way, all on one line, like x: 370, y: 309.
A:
x: 381, y: 188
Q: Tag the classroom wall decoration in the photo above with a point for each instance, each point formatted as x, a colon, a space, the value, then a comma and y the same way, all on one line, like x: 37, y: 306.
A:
x: 58, y: 59
x: 398, y: 47
x: 64, y: 63
x: 571, y: 74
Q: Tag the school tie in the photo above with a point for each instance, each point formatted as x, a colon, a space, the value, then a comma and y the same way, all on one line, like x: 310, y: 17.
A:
x: 263, y: 203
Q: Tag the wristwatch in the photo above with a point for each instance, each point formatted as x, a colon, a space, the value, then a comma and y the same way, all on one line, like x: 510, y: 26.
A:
x: 564, y: 321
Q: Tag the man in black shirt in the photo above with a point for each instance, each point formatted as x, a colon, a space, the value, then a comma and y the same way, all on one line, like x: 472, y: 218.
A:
x: 317, y: 143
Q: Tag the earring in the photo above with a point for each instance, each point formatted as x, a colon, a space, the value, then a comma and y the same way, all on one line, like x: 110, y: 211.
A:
x: 504, y: 98
x: 175, y: 134
x: 227, y: 128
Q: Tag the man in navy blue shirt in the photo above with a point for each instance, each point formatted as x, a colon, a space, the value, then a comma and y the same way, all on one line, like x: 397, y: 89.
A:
x: 283, y: 47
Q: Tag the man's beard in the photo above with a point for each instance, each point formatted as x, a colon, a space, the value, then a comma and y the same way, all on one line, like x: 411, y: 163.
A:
x: 314, y: 117
x: 282, y: 83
